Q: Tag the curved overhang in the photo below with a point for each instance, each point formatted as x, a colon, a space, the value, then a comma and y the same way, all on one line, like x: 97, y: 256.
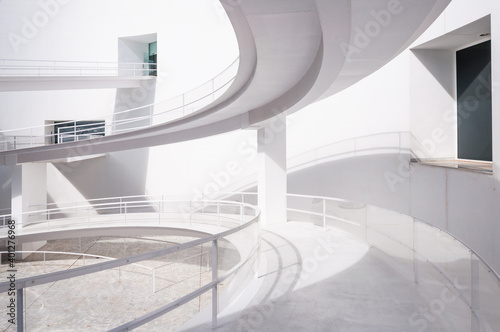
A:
x: 292, y: 53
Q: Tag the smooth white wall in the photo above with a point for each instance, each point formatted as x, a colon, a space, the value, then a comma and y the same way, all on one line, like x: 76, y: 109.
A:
x: 433, y: 104
x: 195, y: 43
x: 364, y: 109
x: 464, y: 203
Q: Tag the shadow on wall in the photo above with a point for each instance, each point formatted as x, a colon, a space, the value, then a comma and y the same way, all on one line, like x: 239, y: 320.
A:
x: 116, y: 174
x: 129, y: 110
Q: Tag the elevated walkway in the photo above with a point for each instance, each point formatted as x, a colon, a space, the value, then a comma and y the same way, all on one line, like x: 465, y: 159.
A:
x: 38, y: 83
x: 34, y: 75
x: 280, y: 71
x: 336, y: 264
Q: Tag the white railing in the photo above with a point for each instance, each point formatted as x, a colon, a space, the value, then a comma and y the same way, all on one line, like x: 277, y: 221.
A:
x: 38, y: 68
x: 390, y: 142
x: 152, y: 211
x: 130, y: 119
x: 84, y: 257
x: 241, y: 228
x: 430, y: 254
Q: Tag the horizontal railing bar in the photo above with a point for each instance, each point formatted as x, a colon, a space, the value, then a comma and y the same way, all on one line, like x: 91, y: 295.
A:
x: 79, y: 271
x: 70, y: 254
x: 319, y: 214
x: 496, y: 275
x: 165, y: 309
x: 111, y: 123
x: 239, y: 265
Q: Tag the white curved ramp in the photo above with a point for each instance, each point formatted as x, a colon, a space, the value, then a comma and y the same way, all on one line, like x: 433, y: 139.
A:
x: 292, y: 53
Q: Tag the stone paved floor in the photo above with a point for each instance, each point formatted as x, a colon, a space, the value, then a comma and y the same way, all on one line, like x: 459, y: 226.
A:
x: 110, y: 298
x: 329, y: 281
x: 313, y: 281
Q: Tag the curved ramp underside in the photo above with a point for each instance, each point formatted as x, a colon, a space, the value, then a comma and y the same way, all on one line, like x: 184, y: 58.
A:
x: 292, y: 53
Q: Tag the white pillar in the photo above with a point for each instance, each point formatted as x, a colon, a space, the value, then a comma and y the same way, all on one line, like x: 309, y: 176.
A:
x: 272, y: 171
x: 495, y: 72
x: 29, y: 187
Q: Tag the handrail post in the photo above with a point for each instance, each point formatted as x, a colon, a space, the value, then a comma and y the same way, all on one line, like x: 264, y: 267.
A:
x: 153, y: 276
x: 475, y: 296
x: 415, y: 259
x: 183, y: 103
x: 218, y: 214
x: 190, y: 213
x: 215, y: 287
x: 20, y: 305
x: 324, y: 214
x: 125, y: 212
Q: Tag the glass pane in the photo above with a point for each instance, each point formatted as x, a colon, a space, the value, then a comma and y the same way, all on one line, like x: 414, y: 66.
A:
x: 446, y: 254
x: 488, y: 298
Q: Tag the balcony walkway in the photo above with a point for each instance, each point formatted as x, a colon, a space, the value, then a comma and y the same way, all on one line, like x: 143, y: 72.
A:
x: 329, y: 281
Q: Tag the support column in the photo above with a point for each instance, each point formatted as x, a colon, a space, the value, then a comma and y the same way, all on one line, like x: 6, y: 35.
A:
x: 495, y: 113
x: 272, y: 183
x: 29, y: 187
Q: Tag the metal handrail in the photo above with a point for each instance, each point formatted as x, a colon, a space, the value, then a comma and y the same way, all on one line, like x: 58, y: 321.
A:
x: 69, y: 254
x: 340, y: 200
x: 121, y: 205
x: 110, y: 121
x: 56, y: 67
x: 23, y: 283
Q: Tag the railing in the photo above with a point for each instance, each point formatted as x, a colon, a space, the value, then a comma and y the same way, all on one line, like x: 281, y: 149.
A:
x: 108, y: 211
x: 390, y: 142
x: 130, y: 119
x: 85, y: 259
x: 425, y: 253
x: 212, y: 250
x: 39, y: 68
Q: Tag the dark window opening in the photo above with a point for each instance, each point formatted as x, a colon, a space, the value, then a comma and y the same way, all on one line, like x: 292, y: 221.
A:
x: 65, y: 131
x: 152, y: 49
x: 474, y: 129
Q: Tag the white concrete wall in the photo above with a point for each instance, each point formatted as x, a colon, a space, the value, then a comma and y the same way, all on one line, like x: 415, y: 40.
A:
x: 414, y: 92
x: 390, y: 100
x: 433, y: 104
x: 195, y: 43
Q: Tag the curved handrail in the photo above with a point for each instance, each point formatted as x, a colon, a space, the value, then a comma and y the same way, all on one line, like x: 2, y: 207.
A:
x: 329, y: 209
x: 22, y: 283
x: 185, y: 104
x: 70, y: 254
x: 416, y: 220
x: 123, y: 208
